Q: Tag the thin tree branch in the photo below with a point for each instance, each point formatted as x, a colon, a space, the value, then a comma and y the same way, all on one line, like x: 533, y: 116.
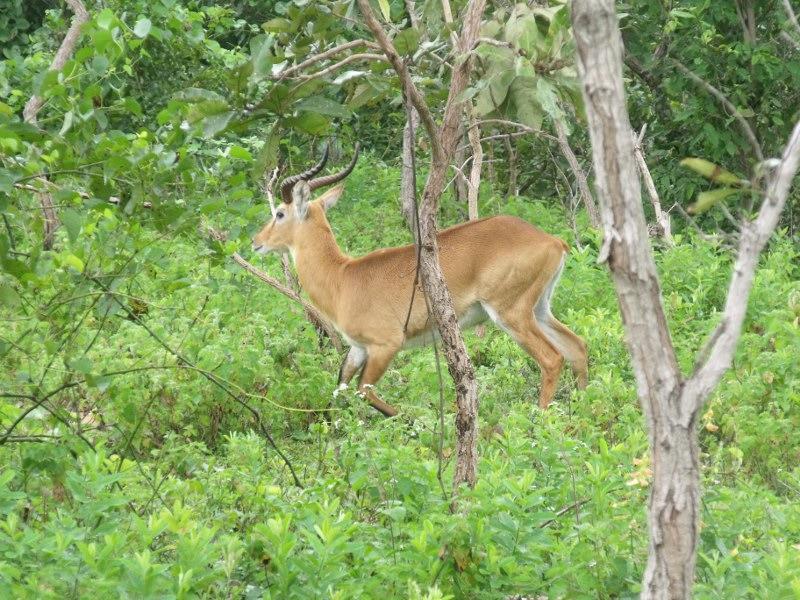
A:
x: 288, y: 72
x: 341, y: 63
x: 744, y: 124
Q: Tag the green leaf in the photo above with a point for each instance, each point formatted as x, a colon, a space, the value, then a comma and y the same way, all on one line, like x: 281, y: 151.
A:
x: 240, y: 153
x: 323, y: 106
x: 142, y: 27
x: 277, y: 25
x: 73, y: 221
x: 267, y: 157
x: 68, y: 116
x: 386, y: 10
x: 261, y: 56
x: 73, y: 261
x: 407, y: 41
x: 711, y: 171
x: 81, y: 365
x: 193, y: 95
x: 312, y: 123
x: 105, y: 18
x: 706, y: 200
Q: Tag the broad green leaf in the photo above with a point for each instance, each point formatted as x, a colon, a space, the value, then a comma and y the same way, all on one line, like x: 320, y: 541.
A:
x: 194, y: 94
x: 142, y: 27
x: 706, y: 200
x: 240, y: 153
x: 277, y: 25
x: 711, y: 171
x: 547, y: 97
x: 323, y: 106
x: 261, y: 55
x: 73, y: 261
x: 407, y: 41
x: 68, y: 116
x: 312, y: 123
x: 73, y: 221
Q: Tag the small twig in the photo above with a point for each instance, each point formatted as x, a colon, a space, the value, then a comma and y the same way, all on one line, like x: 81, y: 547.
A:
x: 563, y: 511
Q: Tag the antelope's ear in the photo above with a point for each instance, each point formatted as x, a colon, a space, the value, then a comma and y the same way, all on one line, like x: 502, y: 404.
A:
x: 331, y: 197
x: 301, y: 195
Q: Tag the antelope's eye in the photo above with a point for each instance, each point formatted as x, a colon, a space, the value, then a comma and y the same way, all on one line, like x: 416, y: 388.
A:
x: 279, y: 215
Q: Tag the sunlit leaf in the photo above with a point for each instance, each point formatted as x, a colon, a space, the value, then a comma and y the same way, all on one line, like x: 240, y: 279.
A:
x: 711, y: 171
x: 705, y: 200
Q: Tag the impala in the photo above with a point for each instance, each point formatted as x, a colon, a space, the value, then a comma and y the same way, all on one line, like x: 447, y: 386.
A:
x: 501, y: 268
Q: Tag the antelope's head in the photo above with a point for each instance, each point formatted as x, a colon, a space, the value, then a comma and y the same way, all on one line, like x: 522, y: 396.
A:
x: 298, y: 213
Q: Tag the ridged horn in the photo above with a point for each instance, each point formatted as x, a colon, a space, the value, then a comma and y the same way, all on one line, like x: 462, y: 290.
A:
x: 335, y: 177
x: 288, y: 183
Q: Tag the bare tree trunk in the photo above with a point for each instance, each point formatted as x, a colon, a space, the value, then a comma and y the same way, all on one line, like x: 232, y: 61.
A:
x: 670, y: 405
x: 512, y: 189
x: 443, y: 142
x: 578, y: 173
x: 474, y: 134
x: 662, y: 218
x: 407, y: 179
x: 35, y: 103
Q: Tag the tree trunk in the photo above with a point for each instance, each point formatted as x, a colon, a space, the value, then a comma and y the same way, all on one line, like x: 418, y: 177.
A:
x: 674, y: 497
x: 490, y: 171
x: 670, y: 404
x: 35, y: 103
x: 443, y: 143
x: 460, y: 184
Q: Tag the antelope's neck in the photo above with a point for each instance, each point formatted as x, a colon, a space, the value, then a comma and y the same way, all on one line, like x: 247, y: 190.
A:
x: 320, y: 263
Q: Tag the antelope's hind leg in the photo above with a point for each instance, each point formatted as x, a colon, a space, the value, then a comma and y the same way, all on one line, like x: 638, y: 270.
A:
x: 378, y: 359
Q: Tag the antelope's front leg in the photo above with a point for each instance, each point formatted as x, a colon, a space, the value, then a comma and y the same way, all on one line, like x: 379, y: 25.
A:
x: 351, y: 365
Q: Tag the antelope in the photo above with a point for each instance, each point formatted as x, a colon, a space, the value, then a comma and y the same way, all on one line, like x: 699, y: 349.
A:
x: 501, y: 268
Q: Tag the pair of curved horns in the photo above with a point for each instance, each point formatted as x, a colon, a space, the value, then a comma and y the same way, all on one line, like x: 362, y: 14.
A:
x: 289, y: 182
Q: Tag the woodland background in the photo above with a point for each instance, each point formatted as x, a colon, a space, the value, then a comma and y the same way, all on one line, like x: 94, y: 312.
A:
x: 143, y: 371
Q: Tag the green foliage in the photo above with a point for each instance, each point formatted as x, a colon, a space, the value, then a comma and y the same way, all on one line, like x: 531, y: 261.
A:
x: 125, y: 472
x: 180, y: 498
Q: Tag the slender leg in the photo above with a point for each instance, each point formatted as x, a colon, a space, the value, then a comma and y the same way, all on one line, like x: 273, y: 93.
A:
x: 351, y: 365
x: 571, y: 346
x: 378, y: 359
x: 528, y: 335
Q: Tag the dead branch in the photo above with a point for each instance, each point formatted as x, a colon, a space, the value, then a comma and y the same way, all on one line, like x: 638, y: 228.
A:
x: 662, y: 218
x: 578, y: 173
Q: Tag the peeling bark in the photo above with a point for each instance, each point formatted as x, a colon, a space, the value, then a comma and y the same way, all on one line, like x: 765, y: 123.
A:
x: 670, y: 404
